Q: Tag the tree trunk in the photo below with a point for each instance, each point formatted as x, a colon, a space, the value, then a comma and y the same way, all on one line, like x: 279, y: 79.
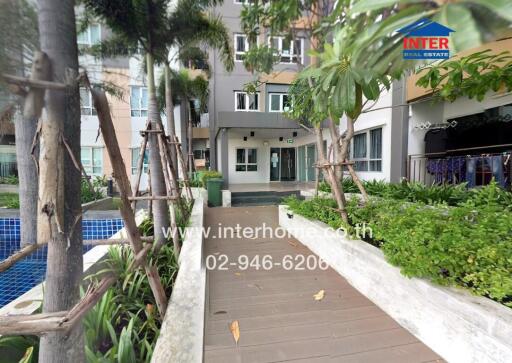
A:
x: 335, y: 136
x: 160, y: 209
x: 25, y: 131
x: 191, y: 166
x: 60, y: 180
x: 169, y: 111
x: 330, y: 175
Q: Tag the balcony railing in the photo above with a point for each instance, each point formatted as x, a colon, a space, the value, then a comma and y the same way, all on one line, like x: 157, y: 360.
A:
x: 473, y: 169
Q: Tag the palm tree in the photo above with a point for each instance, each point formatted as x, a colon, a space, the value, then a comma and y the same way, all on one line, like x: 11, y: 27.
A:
x: 185, y: 89
x: 190, y: 29
x: 155, y: 27
x: 143, y: 23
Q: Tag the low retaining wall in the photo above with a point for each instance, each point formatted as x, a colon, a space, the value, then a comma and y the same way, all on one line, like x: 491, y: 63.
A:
x: 181, y: 336
x: 457, y: 325
x: 100, y: 204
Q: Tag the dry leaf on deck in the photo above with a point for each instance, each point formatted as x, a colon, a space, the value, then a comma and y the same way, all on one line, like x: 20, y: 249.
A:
x: 319, y: 295
x: 235, y: 330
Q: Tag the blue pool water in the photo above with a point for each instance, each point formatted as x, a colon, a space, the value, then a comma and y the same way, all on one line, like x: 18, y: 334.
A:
x: 30, y: 271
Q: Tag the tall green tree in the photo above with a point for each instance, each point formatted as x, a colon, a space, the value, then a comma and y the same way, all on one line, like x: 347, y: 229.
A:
x: 363, y: 55
x: 142, y: 23
x: 191, y: 31
x: 157, y: 27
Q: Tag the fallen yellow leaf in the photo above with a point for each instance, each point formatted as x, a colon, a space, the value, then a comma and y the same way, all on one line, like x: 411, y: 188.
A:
x: 319, y: 295
x: 238, y: 274
x: 235, y: 330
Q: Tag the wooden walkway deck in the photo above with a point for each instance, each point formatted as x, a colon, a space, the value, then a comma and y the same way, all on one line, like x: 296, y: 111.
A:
x: 279, y: 318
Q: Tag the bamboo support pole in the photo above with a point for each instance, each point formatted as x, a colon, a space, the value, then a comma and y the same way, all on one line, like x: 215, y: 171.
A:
x: 33, y: 83
x: 170, y: 192
x: 29, y: 249
x: 140, y: 167
x: 184, y: 171
x: 19, y: 255
x: 125, y: 191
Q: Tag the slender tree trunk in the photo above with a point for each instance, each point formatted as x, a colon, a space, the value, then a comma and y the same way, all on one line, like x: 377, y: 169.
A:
x: 330, y: 175
x: 25, y: 131
x: 191, y: 165
x: 335, y: 136
x: 169, y: 110
x: 59, y: 195
x: 160, y: 209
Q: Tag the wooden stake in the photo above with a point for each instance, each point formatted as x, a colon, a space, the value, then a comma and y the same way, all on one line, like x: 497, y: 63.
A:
x: 140, y: 167
x: 125, y: 191
x: 33, y: 83
x: 183, y: 169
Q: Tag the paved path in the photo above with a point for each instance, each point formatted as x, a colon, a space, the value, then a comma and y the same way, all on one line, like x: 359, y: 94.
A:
x: 278, y: 316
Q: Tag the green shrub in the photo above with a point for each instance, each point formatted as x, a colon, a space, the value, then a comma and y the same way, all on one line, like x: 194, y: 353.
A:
x: 417, y: 192
x: 10, y: 200
x: 90, y: 195
x: 210, y: 174
x: 469, y: 245
x: 10, y: 179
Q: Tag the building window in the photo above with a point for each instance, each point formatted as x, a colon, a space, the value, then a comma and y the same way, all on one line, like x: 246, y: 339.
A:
x: 86, y: 107
x: 199, y: 154
x: 241, y: 46
x: 90, y: 36
x: 135, y: 160
x: 139, y: 101
x: 247, y: 101
x: 367, y: 150
x: 92, y: 160
x: 246, y: 160
x: 279, y: 102
x: 290, y: 51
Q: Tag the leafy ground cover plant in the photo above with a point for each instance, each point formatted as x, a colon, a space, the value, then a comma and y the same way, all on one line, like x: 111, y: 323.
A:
x: 468, y: 245
x: 414, y: 192
x: 210, y: 174
x: 10, y: 179
x: 10, y: 200
x: 97, y: 191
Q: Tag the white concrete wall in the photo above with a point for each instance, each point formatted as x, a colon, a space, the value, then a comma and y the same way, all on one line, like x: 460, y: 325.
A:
x: 262, y: 175
x: 375, y: 119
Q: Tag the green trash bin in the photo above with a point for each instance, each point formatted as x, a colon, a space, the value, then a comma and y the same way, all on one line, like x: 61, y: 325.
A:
x: 214, y: 187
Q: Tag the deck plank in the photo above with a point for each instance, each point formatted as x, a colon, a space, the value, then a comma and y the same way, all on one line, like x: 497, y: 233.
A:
x: 279, y: 319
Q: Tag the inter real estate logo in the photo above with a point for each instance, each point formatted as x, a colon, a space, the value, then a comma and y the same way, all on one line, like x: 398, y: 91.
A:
x: 426, y: 39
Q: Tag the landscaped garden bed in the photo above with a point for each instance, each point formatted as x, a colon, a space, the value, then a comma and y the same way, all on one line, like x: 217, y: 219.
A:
x: 466, y: 247
x: 124, y: 326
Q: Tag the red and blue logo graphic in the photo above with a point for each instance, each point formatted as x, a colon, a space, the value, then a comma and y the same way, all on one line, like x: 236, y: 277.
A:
x: 426, y: 39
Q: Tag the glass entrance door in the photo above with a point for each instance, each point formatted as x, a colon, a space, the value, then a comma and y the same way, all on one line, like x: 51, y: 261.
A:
x: 287, y: 164
x: 310, y: 161
x: 301, y: 158
x: 274, y: 163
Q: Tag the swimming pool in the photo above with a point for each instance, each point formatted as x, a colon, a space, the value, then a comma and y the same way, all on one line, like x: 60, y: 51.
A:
x: 30, y: 271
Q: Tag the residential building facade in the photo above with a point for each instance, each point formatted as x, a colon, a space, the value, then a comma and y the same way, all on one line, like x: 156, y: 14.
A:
x: 465, y: 141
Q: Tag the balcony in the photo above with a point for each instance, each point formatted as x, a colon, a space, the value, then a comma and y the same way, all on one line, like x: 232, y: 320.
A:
x: 271, y: 120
